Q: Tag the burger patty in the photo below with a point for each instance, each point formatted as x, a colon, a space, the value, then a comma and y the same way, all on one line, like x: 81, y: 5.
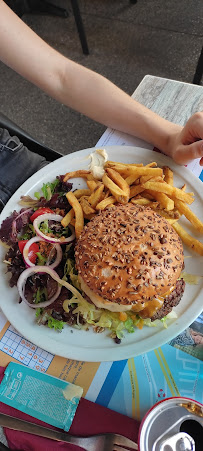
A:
x: 172, y: 300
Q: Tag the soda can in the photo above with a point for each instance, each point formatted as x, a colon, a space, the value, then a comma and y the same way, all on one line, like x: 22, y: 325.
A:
x: 173, y: 424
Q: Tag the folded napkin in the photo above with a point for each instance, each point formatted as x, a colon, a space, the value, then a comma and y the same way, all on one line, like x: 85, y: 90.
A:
x: 90, y: 418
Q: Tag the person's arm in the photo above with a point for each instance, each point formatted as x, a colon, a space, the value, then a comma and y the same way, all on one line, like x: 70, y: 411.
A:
x: 90, y: 93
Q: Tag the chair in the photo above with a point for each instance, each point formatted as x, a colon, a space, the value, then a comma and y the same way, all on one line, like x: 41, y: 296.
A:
x: 199, y: 70
x: 30, y: 142
x: 45, y: 7
x: 21, y: 7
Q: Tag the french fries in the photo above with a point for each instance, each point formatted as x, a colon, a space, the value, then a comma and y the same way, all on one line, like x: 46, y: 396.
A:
x: 86, y: 207
x: 81, y: 192
x: 185, y: 210
x: 173, y: 192
x: 189, y: 240
x: 120, y: 195
x: 135, y: 190
x: 96, y: 196
x: 163, y: 199
x: 168, y: 175
x: 79, y: 218
x: 105, y: 203
x: 115, y: 165
x: 139, y: 171
x: 91, y: 185
x: 142, y: 201
x: 147, y: 185
x: 120, y: 181
x: 68, y: 218
x: 80, y: 173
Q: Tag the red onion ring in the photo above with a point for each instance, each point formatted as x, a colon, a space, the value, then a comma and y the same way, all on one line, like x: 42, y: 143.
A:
x: 34, y: 240
x: 27, y: 273
x: 52, y: 217
x: 44, y: 269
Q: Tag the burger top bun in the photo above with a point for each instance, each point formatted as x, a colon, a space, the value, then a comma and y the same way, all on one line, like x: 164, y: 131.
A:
x: 126, y: 256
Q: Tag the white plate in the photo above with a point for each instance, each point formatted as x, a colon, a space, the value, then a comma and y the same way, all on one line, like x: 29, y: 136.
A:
x: 89, y: 346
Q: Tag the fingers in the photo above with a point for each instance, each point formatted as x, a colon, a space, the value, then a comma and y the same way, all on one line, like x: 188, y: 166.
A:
x: 190, y: 152
x: 193, y: 129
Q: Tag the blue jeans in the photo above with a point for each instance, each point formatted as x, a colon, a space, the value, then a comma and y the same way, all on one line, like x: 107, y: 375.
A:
x: 17, y: 164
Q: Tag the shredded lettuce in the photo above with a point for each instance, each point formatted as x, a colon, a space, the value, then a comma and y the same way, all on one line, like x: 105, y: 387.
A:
x: 104, y: 319
x: 70, y: 271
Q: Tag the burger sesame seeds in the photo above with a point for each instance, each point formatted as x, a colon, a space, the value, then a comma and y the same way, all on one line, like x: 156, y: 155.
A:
x: 166, y: 228
x: 129, y: 270
x: 139, y: 288
x: 162, y: 240
x: 117, y: 236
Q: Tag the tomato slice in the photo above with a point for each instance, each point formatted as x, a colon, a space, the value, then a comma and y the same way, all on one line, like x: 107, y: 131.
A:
x: 34, y: 248
x: 40, y: 211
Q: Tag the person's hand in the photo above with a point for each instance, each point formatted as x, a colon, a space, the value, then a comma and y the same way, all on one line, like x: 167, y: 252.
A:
x: 187, y: 144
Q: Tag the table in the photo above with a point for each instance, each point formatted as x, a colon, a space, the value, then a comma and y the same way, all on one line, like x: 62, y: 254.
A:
x: 129, y: 386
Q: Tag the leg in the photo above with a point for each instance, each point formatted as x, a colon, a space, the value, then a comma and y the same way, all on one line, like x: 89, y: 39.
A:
x: 80, y: 27
x: 17, y: 164
x: 32, y: 144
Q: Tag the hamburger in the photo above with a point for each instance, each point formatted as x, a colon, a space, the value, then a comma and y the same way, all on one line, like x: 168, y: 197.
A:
x: 129, y: 259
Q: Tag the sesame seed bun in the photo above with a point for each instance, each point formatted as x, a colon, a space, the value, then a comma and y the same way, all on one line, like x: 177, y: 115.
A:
x: 126, y: 256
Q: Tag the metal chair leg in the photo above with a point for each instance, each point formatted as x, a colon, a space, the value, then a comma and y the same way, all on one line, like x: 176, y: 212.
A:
x: 45, y: 7
x: 80, y: 26
x: 199, y: 70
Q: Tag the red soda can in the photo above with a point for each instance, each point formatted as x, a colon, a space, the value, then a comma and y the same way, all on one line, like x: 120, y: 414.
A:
x: 174, y: 424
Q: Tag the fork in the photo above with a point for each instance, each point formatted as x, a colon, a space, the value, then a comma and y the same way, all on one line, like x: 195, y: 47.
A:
x: 99, y: 442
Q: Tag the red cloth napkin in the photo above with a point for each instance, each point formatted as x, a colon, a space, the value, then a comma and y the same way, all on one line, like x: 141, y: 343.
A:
x: 90, y: 418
